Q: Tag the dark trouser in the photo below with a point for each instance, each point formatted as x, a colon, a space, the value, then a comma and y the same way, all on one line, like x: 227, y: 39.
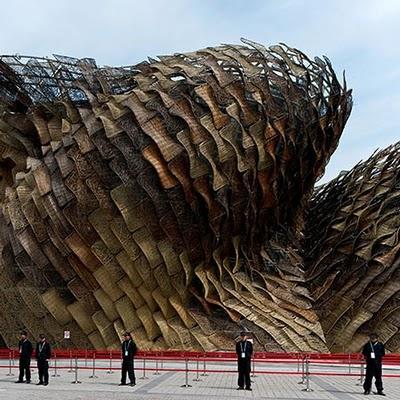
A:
x: 127, y: 367
x: 43, y: 370
x: 374, y: 369
x: 24, y: 368
x: 244, y: 372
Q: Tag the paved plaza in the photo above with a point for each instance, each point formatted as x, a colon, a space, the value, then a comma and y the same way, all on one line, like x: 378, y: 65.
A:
x: 167, y: 386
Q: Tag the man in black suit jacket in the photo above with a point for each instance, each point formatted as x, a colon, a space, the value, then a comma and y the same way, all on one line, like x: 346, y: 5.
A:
x: 43, y: 355
x: 244, y: 351
x: 373, y: 352
x: 128, y: 353
x: 25, y: 354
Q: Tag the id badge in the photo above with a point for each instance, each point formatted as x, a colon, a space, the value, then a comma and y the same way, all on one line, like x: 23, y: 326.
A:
x: 126, y: 353
x: 372, y: 355
x: 243, y: 355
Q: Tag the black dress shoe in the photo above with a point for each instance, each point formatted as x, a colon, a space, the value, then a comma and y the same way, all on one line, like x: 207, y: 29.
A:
x: 28, y: 382
x: 249, y: 388
x: 132, y: 384
x: 45, y: 384
x: 380, y: 394
x: 122, y: 384
x: 19, y: 382
x: 39, y: 383
x: 367, y: 392
x: 240, y: 388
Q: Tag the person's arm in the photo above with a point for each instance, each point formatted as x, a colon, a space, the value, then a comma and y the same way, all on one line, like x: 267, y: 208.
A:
x: 37, y: 351
x: 30, y: 349
x: 383, y: 350
x: 134, y: 348
x: 251, y: 349
x: 48, y: 352
x: 237, y: 349
x: 365, y: 351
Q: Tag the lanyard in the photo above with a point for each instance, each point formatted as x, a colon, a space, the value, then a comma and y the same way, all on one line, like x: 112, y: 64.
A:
x: 41, y: 347
x: 372, y: 347
x: 126, y: 346
x: 243, y: 350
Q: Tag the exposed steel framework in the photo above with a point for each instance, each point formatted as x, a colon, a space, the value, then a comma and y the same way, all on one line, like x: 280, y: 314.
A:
x: 169, y: 198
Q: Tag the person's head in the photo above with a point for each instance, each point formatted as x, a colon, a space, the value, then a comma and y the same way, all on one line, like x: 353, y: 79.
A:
x: 42, y: 338
x: 243, y: 335
x: 126, y: 336
x: 373, y: 337
x: 23, y: 335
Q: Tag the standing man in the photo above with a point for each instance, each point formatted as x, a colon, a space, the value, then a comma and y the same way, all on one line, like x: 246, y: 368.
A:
x: 43, y: 354
x: 244, y: 350
x: 25, y: 354
x: 373, y: 351
x: 128, y: 353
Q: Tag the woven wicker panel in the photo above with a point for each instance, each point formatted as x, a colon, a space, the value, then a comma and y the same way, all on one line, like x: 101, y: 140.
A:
x: 132, y: 292
x: 175, y: 301
x: 106, y: 304
x: 146, y: 316
x: 169, y: 335
x: 82, y: 317
x: 96, y: 340
x: 57, y: 306
x: 148, y: 298
x: 106, y: 328
x: 126, y: 310
x: 107, y: 283
x: 129, y: 267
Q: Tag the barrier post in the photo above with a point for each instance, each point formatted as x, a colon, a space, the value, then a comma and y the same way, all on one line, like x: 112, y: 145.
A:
x: 110, y: 371
x: 85, y: 357
x: 144, y: 367
x: 298, y: 362
x: 361, y: 379
x: 303, y: 378
x: 307, y: 388
x: 349, y: 363
x: 93, y: 376
x: 70, y: 361
x: 55, y: 375
x: 253, y: 374
x: 157, y: 372
x: 13, y: 356
x: 10, y: 364
x: 76, y: 371
x: 204, y: 366
x: 186, y: 374
x: 197, y: 379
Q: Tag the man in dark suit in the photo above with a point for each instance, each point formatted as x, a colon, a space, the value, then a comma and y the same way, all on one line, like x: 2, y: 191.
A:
x: 25, y: 354
x: 128, y: 353
x: 244, y: 350
x: 373, y: 352
x: 43, y: 354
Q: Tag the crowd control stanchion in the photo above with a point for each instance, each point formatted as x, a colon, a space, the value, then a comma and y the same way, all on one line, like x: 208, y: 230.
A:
x: 93, y: 376
x: 70, y: 361
x: 85, y: 357
x: 197, y: 379
x: 110, y: 371
x: 361, y: 379
x: 307, y: 388
x: 13, y: 356
x: 55, y: 375
x: 144, y: 368
x: 253, y: 374
x: 10, y: 364
x: 156, y: 372
x: 349, y: 363
x: 298, y: 362
x: 204, y: 366
x: 76, y: 371
x: 303, y: 378
x: 186, y: 374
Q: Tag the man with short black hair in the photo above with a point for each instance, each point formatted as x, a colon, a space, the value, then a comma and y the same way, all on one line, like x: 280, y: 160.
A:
x: 373, y: 352
x: 128, y: 353
x: 244, y: 350
x: 43, y: 354
x: 25, y: 354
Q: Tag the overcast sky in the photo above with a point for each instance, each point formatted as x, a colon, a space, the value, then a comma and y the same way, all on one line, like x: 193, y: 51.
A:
x: 360, y: 36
